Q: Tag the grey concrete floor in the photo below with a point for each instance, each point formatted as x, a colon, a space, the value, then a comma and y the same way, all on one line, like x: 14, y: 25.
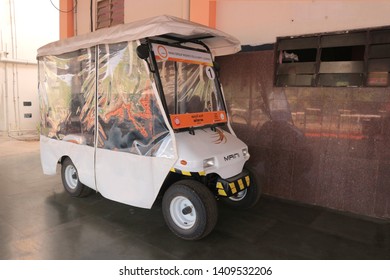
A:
x: 38, y: 220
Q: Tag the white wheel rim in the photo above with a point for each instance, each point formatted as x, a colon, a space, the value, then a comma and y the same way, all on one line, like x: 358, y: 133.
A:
x: 71, y: 176
x: 183, y: 220
x: 238, y: 196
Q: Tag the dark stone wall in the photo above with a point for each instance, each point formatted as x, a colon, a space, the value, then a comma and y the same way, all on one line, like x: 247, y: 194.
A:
x: 324, y: 146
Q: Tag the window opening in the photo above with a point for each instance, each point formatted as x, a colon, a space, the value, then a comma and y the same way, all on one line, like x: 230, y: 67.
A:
x: 357, y: 58
x: 109, y: 13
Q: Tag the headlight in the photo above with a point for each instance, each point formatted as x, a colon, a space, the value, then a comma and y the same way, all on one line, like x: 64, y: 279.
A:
x: 245, y: 152
x: 208, y: 162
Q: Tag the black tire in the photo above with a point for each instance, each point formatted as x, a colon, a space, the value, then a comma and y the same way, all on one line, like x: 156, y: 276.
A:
x: 247, y: 198
x: 190, y: 209
x: 70, y: 180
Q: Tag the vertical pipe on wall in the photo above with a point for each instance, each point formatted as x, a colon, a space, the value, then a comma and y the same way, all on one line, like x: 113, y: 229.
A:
x: 15, y: 87
x: 90, y: 14
x: 16, y: 70
x: 6, y: 98
x: 75, y: 17
x: 4, y: 88
x: 12, y: 56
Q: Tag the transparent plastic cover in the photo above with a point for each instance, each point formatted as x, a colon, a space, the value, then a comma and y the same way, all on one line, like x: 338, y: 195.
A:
x: 190, y: 87
x: 128, y: 116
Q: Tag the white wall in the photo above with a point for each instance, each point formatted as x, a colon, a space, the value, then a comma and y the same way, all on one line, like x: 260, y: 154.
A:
x: 23, y: 29
x: 257, y: 22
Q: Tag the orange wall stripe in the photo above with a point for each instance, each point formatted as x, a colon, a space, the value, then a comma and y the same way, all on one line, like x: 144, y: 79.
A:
x: 204, y: 12
x: 66, y: 19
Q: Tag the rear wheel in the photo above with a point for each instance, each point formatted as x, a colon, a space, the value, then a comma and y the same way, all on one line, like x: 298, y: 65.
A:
x: 70, y: 180
x: 190, y: 209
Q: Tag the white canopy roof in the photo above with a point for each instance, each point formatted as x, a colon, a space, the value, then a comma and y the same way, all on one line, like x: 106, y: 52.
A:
x: 219, y: 43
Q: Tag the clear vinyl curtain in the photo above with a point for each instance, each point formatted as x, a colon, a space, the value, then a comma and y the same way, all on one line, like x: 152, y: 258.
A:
x: 128, y: 115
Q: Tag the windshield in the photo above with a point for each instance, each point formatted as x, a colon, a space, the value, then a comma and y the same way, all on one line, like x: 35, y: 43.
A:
x: 190, y: 87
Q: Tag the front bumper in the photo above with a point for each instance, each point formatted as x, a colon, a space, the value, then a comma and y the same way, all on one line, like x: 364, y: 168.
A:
x: 231, y: 186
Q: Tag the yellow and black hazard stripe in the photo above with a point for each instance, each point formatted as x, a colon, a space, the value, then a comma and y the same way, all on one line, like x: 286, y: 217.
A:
x: 188, y: 173
x: 231, y: 187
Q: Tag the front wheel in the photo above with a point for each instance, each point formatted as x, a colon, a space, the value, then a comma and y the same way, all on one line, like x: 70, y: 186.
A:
x: 70, y: 180
x: 189, y: 209
x: 248, y: 197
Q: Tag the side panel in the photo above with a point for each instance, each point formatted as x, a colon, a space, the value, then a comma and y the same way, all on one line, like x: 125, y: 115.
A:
x: 82, y: 156
x: 131, y: 129
x: 130, y: 179
x: 67, y: 107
